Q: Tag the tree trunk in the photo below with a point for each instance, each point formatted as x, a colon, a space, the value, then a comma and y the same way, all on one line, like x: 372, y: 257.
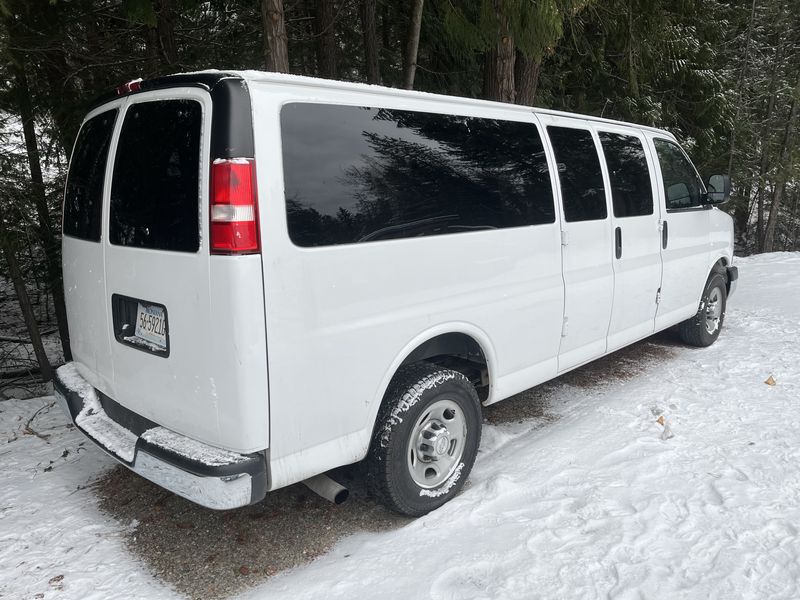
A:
x: 526, y: 75
x: 791, y: 240
x: 163, y: 35
x: 633, y: 80
x: 412, y: 45
x: 386, y: 28
x: 784, y: 166
x: 762, y: 169
x: 499, y: 72
x: 368, y: 27
x: 24, y: 302
x: 326, y: 38
x: 740, y: 87
x: 49, y: 242
x: 276, y: 43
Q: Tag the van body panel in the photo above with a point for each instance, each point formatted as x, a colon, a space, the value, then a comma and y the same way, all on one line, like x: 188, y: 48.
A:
x: 347, y: 311
x: 84, y: 287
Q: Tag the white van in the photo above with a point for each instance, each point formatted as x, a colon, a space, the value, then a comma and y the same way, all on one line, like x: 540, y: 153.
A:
x: 269, y: 276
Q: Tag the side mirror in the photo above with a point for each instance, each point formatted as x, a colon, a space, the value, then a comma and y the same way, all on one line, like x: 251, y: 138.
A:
x: 719, y: 189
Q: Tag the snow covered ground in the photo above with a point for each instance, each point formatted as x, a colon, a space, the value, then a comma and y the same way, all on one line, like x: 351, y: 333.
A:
x: 682, y: 481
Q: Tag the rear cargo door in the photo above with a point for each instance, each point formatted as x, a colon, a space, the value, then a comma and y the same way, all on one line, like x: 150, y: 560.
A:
x: 157, y: 265
x: 81, y: 244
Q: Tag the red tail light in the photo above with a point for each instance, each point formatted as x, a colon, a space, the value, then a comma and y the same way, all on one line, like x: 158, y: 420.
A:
x: 234, y: 223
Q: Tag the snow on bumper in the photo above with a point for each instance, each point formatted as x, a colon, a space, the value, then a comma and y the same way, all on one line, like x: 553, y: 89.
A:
x: 212, y: 477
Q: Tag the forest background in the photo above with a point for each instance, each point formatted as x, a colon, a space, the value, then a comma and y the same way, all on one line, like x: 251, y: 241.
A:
x: 724, y: 76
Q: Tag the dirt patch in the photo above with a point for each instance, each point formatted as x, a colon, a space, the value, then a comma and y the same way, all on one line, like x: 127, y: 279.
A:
x: 208, y: 554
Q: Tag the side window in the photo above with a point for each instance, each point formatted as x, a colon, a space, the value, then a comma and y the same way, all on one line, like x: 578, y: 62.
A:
x: 631, y: 189
x: 582, y: 190
x: 155, y: 189
x: 682, y: 186
x: 358, y: 174
x: 83, y: 198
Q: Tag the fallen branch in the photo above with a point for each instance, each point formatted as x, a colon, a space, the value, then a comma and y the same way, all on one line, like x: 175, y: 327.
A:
x: 30, y: 430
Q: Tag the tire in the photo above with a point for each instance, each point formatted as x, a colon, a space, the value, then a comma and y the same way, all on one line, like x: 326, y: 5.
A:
x: 703, y: 329
x: 426, y: 439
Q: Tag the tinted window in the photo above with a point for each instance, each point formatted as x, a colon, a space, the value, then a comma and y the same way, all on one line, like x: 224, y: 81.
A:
x: 629, y: 175
x: 83, y: 199
x: 682, y: 186
x: 582, y: 190
x: 361, y: 174
x: 156, y: 184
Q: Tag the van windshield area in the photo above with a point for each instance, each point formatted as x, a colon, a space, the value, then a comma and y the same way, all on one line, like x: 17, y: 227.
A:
x: 155, y: 188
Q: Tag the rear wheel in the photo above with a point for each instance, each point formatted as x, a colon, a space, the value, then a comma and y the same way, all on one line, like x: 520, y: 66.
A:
x: 426, y: 439
x: 703, y: 328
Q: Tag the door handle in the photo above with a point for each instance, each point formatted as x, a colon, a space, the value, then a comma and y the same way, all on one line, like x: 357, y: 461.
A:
x: 664, y: 236
x: 618, y: 242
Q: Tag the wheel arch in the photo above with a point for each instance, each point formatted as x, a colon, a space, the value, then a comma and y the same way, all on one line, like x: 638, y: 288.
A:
x: 434, y: 340
x: 721, y: 265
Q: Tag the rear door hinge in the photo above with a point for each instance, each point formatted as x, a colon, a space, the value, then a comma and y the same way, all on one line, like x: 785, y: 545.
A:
x: 658, y: 296
x: 564, y: 327
x: 564, y: 238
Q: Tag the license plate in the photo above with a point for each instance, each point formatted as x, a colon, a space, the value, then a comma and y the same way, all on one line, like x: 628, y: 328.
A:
x: 151, y: 325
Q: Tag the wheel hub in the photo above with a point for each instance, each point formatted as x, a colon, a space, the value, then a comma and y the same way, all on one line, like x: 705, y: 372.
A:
x: 436, y: 443
x: 713, y: 310
x: 433, y: 441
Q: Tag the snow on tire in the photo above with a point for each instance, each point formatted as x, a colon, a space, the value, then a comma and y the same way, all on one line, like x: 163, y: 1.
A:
x: 426, y: 439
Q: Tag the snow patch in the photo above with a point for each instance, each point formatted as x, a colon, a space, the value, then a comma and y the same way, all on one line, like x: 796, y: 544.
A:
x: 137, y: 341
x: 93, y: 419
x: 189, y: 448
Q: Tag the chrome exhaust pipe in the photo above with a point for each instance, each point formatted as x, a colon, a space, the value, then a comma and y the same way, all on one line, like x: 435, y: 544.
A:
x: 327, y: 488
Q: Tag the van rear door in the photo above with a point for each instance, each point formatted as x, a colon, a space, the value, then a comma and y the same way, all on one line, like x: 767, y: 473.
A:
x: 185, y: 344
x: 81, y: 245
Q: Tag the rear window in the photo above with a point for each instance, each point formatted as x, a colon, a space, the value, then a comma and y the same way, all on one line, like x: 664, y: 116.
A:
x: 155, y: 190
x: 83, y: 198
x: 356, y: 174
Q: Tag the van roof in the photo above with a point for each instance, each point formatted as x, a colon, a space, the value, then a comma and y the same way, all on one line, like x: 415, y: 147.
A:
x: 209, y: 78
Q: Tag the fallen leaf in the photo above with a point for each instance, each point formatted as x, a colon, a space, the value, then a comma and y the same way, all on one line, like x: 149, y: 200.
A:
x: 244, y: 570
x: 56, y: 579
x: 660, y: 420
x: 770, y: 380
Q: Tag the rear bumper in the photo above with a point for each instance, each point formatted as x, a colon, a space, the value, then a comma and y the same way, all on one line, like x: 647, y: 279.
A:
x: 733, y: 279
x: 212, y: 477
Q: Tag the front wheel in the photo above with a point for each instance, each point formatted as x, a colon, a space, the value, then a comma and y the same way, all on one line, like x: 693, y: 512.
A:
x: 703, y: 328
x: 426, y: 439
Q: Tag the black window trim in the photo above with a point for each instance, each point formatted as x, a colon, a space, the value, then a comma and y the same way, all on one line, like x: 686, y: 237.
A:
x: 381, y: 104
x: 661, y: 176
